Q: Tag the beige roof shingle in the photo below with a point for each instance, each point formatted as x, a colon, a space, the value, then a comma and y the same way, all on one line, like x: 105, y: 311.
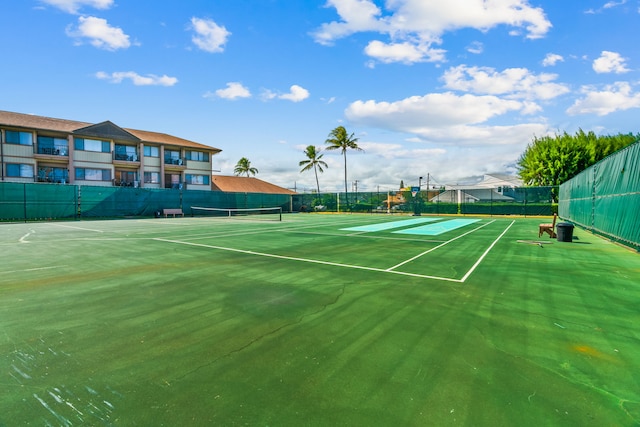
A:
x: 242, y: 184
x: 30, y: 121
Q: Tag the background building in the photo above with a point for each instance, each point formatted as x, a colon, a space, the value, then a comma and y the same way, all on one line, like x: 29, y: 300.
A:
x: 49, y: 150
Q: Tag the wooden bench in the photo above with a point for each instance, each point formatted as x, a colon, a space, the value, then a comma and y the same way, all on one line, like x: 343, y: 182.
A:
x: 548, y: 228
x: 174, y: 212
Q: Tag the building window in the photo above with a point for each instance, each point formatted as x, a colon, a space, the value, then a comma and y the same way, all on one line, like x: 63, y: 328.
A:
x: 19, y: 170
x: 126, y: 152
x: 126, y: 178
x: 152, y: 177
x: 172, y: 181
x: 52, y: 174
x: 21, y: 138
x: 172, y: 157
x: 98, y: 146
x: 198, y: 156
x: 54, y: 146
x: 197, y: 179
x: 93, y: 174
x: 151, y: 151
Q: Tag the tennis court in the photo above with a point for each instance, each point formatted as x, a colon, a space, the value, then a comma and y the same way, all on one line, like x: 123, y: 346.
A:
x: 316, y: 320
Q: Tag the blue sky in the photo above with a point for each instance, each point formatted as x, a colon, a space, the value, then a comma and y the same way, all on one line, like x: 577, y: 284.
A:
x: 452, y: 89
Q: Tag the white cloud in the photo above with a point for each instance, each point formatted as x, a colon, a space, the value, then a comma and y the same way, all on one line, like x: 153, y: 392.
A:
x: 610, y: 62
x: 296, y: 94
x: 415, y: 26
x: 209, y: 36
x: 398, y: 151
x: 612, y: 4
x: 475, y: 47
x: 551, y: 59
x: 234, y: 90
x: 137, y: 79
x: 421, y: 115
x: 405, y: 52
x: 518, y: 83
x: 73, y: 6
x: 615, y: 97
x: 100, y: 33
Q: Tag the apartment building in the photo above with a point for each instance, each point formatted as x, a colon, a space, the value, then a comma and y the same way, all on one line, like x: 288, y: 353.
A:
x: 49, y: 150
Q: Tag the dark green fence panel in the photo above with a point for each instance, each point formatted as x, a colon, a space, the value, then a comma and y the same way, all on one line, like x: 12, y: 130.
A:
x: 605, y: 198
x: 30, y: 201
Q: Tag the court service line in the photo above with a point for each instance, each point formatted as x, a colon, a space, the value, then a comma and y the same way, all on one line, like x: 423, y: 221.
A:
x: 313, y: 261
x: 438, y: 247
x: 485, y: 253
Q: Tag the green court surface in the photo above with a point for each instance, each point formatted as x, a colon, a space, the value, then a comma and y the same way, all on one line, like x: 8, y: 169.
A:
x: 195, y: 321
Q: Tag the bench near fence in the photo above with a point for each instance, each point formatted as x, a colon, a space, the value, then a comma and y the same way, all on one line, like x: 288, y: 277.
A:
x: 174, y: 212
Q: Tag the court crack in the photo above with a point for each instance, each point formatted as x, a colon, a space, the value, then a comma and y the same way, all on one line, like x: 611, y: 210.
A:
x: 260, y: 338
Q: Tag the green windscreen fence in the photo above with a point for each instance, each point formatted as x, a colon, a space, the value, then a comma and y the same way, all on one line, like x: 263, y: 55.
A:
x: 605, y: 198
x: 467, y: 201
x: 33, y: 202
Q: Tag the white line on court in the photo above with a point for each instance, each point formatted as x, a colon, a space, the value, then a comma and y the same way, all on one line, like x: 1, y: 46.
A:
x: 313, y: 261
x: 32, y: 269
x: 23, y: 239
x: 78, y: 228
x: 486, y: 252
x: 438, y: 247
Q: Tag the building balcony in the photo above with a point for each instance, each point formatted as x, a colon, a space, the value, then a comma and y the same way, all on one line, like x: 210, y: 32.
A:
x: 175, y: 163
x: 126, y: 159
x: 54, y: 154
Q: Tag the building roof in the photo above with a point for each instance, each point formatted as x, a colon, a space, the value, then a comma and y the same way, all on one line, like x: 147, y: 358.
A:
x: 243, y: 184
x: 29, y: 121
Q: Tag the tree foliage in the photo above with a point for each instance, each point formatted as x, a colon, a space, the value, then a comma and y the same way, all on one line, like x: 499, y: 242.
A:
x: 244, y: 167
x: 552, y: 160
x: 339, y: 139
x: 313, y: 161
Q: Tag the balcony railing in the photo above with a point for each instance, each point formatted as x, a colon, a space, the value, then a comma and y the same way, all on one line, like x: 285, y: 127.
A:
x: 126, y: 157
x: 126, y: 183
x: 61, y: 150
x: 175, y: 161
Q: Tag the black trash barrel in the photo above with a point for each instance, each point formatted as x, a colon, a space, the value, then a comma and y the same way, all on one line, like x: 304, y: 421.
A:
x: 564, y: 230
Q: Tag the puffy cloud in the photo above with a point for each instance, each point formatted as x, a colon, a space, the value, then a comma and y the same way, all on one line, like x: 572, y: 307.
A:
x: 512, y: 82
x: 414, y: 26
x: 420, y: 115
x: 403, y: 52
x: 610, y: 62
x: 137, y: 79
x: 615, y: 97
x: 73, y: 6
x: 100, y: 33
x: 551, y: 59
x: 234, y: 90
x: 296, y: 94
x: 209, y: 36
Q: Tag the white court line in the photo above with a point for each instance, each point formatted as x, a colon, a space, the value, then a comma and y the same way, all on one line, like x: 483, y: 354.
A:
x: 32, y: 269
x: 313, y: 261
x: 486, y: 252
x: 439, y: 246
x: 23, y: 239
x: 358, y: 267
x: 78, y: 228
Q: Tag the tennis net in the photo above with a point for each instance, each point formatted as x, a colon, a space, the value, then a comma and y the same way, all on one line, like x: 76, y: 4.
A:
x: 269, y: 214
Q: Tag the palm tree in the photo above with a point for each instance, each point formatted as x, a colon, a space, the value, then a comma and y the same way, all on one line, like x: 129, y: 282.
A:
x: 244, y: 166
x: 339, y: 139
x: 314, y: 160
